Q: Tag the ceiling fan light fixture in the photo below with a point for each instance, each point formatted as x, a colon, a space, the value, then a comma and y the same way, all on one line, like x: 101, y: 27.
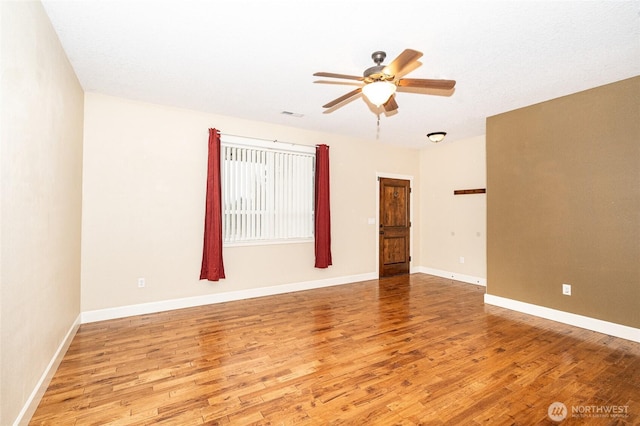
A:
x: 379, y: 92
x: 436, y: 137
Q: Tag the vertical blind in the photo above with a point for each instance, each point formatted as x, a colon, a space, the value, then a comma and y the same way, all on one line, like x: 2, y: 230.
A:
x: 268, y: 194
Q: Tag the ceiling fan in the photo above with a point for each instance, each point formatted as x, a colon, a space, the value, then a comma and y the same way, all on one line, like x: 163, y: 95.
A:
x: 380, y: 81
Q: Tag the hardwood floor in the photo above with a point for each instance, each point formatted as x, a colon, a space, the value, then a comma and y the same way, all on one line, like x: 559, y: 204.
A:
x: 407, y: 350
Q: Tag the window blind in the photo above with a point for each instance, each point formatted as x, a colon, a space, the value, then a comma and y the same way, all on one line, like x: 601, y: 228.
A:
x: 267, y: 193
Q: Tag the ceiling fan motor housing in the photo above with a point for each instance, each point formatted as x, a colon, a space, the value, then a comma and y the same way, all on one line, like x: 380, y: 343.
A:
x: 377, y: 72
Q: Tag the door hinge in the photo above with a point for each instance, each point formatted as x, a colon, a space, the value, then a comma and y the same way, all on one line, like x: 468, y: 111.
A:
x: 409, y: 258
x: 410, y: 190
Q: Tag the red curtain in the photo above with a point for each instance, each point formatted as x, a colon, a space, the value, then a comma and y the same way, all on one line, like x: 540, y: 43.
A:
x: 323, y: 213
x: 212, y: 265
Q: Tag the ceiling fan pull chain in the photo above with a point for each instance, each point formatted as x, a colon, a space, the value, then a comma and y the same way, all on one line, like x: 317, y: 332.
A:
x: 378, y: 128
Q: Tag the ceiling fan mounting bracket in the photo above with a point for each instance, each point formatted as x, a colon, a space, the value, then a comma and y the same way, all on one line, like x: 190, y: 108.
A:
x: 378, y: 57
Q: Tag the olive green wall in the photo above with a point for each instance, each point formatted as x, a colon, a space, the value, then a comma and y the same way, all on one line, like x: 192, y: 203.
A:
x: 563, y: 203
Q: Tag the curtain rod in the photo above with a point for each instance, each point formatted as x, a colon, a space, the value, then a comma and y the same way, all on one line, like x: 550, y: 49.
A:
x: 265, y: 140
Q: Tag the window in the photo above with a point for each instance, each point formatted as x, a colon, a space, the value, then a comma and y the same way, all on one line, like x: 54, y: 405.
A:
x: 267, y: 191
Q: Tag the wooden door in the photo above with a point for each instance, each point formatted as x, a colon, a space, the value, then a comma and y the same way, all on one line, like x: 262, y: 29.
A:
x: 394, y: 227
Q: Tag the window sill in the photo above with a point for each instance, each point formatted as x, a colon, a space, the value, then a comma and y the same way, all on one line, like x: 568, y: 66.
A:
x: 267, y: 242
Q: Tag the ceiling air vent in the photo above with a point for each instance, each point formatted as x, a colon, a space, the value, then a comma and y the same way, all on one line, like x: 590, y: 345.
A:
x: 293, y: 114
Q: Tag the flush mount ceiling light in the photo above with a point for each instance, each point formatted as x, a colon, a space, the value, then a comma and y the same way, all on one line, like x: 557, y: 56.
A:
x: 379, y: 92
x: 436, y: 137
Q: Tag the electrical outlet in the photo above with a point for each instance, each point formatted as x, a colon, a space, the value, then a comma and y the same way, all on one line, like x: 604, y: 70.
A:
x: 566, y: 289
x: 461, y: 259
x: 141, y: 282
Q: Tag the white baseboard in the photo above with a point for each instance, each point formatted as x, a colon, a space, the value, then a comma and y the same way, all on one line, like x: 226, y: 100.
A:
x: 453, y: 275
x: 588, y: 323
x: 189, y: 302
x: 32, y: 402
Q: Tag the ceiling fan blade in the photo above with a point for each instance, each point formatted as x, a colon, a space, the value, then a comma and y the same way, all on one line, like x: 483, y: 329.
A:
x: 332, y: 75
x: 403, y: 61
x: 343, y: 98
x: 426, y: 83
x: 339, y: 83
x: 391, y: 104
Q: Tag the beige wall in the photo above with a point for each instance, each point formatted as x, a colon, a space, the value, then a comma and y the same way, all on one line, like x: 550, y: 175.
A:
x: 564, y: 203
x: 41, y: 166
x: 141, y: 194
x: 453, y: 226
x: 143, y: 205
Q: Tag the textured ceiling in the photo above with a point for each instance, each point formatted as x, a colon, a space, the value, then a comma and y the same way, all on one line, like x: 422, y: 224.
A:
x: 255, y: 59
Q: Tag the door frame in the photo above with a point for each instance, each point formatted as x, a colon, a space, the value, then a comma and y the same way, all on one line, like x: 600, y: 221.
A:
x: 411, y: 207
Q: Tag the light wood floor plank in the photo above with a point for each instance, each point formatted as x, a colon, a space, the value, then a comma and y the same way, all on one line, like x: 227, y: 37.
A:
x: 405, y: 351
